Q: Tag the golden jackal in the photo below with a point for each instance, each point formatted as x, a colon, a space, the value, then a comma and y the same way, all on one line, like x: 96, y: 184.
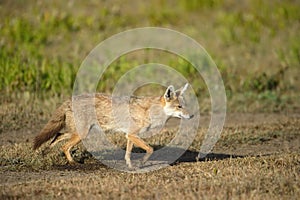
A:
x: 142, y: 118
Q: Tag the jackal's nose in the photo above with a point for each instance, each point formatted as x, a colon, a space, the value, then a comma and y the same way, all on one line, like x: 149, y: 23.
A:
x: 186, y: 116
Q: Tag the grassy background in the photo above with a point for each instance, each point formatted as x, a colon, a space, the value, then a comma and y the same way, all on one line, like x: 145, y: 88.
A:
x: 255, y: 45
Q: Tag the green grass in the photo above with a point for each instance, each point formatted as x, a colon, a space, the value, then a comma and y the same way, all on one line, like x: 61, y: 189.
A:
x: 255, y: 45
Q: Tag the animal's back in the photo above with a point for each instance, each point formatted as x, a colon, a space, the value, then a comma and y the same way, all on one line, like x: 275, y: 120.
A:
x: 112, y: 113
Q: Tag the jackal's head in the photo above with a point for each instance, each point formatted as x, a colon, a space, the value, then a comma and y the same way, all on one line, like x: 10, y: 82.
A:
x: 174, y: 105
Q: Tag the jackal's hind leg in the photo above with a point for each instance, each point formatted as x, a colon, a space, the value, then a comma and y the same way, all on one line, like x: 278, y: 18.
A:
x: 75, y: 139
x: 58, y: 138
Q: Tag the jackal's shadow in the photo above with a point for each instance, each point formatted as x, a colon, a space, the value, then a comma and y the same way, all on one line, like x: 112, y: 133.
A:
x: 171, y: 155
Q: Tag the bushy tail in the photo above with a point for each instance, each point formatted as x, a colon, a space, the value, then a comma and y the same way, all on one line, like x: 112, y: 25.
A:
x: 55, y: 124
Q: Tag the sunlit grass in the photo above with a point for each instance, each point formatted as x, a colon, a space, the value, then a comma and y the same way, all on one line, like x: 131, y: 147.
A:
x: 255, y: 45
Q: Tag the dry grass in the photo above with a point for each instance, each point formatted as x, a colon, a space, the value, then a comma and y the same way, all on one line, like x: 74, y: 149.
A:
x: 266, y: 177
x: 252, y: 160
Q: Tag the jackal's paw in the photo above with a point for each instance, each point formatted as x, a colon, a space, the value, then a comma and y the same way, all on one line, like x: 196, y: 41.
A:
x: 129, y: 165
x: 145, y: 159
x: 73, y: 162
x: 142, y: 163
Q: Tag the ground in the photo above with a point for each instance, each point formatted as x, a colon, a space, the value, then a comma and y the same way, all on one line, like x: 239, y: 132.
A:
x: 257, y: 157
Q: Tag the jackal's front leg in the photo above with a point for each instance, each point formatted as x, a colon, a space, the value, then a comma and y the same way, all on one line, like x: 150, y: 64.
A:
x: 142, y: 144
x: 128, y: 153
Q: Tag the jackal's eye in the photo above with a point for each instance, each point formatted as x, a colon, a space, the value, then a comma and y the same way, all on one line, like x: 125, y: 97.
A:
x: 179, y: 106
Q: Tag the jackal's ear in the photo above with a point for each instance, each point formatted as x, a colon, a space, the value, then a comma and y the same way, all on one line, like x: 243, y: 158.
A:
x: 180, y: 91
x: 170, y: 93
